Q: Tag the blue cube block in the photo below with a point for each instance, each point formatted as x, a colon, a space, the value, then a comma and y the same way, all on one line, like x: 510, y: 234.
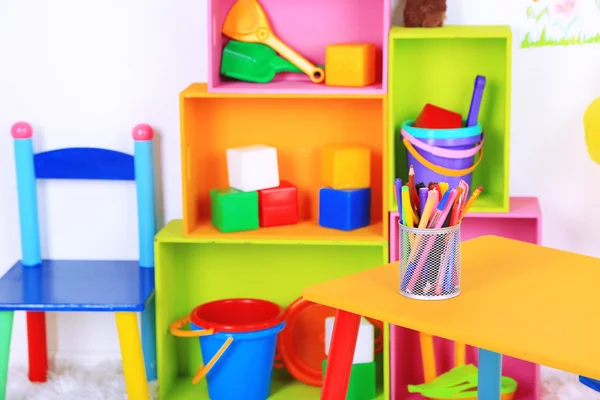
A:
x: 344, y: 209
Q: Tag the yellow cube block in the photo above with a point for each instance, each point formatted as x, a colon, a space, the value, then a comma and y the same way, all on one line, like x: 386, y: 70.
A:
x: 351, y: 64
x: 346, y: 167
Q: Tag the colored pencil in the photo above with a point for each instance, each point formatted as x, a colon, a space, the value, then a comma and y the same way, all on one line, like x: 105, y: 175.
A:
x: 414, y: 197
x: 471, y: 200
x: 455, y: 218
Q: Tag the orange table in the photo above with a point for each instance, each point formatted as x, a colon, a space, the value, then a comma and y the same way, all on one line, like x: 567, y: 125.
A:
x: 519, y: 299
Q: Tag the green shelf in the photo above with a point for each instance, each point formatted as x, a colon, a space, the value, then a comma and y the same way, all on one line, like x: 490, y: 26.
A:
x: 183, y: 389
x: 438, y: 66
x: 190, y: 272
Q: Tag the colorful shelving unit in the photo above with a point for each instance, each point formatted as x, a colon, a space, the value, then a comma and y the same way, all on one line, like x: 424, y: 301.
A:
x: 523, y: 222
x: 298, y: 126
x: 441, y: 71
x: 191, y: 271
x: 439, y: 66
x: 308, y: 26
x: 195, y: 263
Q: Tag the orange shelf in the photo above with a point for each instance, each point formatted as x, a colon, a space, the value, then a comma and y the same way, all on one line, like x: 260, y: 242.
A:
x: 306, y: 231
x: 298, y: 126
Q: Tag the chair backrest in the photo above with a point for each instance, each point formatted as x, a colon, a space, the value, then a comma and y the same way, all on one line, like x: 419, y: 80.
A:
x: 84, y: 163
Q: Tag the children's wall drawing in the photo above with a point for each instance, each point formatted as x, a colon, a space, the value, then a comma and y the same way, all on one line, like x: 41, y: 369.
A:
x: 591, y: 123
x: 561, y: 23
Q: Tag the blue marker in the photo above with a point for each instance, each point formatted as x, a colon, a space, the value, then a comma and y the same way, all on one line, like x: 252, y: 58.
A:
x: 476, y: 101
x: 439, y: 210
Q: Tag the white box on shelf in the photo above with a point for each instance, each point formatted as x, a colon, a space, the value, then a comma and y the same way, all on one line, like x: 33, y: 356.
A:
x: 365, y: 344
x: 252, y: 168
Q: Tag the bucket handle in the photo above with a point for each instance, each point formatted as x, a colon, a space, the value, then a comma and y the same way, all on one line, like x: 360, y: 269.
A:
x: 440, y: 151
x: 439, y: 169
x: 176, y: 330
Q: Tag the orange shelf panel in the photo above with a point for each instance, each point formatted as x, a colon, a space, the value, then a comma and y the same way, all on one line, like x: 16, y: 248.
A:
x: 298, y: 126
x: 304, y: 231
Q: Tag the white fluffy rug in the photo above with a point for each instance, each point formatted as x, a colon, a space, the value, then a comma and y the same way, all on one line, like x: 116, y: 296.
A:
x: 559, y: 385
x: 105, y: 382
x: 72, y: 382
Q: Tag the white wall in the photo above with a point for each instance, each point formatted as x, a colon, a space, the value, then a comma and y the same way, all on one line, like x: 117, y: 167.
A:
x: 83, y: 73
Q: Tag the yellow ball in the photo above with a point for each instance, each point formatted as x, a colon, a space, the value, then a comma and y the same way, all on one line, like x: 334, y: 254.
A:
x: 591, y: 124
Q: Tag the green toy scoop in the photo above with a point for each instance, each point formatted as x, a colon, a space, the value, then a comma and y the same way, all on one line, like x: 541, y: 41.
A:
x: 458, y: 383
x: 253, y: 62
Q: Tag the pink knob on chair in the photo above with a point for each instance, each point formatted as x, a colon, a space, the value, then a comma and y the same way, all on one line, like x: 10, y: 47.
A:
x: 142, y: 132
x: 21, y: 130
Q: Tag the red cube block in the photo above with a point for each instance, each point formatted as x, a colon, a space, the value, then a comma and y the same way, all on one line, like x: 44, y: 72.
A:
x: 434, y: 117
x: 278, y: 206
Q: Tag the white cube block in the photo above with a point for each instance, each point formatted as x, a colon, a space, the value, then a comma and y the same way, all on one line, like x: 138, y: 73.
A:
x: 252, y: 168
x: 365, y: 344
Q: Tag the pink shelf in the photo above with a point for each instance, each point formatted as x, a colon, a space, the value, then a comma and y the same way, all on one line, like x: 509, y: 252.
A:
x: 307, y: 26
x: 522, y: 222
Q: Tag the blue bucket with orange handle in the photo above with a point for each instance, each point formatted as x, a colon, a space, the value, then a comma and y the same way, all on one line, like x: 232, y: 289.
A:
x: 238, y: 340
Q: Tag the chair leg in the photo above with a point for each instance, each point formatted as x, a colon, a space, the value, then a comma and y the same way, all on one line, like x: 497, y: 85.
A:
x: 133, y: 358
x: 38, y: 349
x: 6, y: 322
x: 149, y: 339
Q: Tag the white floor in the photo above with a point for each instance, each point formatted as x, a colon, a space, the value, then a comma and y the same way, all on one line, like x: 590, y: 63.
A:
x: 105, y: 382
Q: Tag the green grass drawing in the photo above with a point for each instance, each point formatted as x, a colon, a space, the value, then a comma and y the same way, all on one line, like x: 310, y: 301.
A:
x: 532, y: 15
x: 544, y: 41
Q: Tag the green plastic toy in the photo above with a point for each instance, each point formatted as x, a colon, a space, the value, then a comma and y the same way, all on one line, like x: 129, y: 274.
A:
x: 458, y: 383
x: 253, y: 62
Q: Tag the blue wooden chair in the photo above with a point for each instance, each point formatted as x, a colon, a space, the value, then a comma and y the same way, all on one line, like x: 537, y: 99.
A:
x: 123, y: 287
x: 591, y: 383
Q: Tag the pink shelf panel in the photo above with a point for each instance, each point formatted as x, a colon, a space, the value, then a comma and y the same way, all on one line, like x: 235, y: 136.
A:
x: 406, y: 366
x: 520, y: 208
x: 522, y: 222
x: 307, y: 26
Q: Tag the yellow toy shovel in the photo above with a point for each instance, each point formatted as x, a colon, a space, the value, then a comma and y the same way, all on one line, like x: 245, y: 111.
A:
x: 247, y: 22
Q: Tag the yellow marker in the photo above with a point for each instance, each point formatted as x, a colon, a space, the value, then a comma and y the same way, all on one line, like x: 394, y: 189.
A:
x: 591, y: 124
x: 415, y: 216
x: 444, y: 187
x: 407, y: 213
x: 133, y: 358
x: 427, y: 211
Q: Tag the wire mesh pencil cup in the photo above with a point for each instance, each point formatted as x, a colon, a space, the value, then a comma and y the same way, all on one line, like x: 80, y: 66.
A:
x: 430, y: 263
